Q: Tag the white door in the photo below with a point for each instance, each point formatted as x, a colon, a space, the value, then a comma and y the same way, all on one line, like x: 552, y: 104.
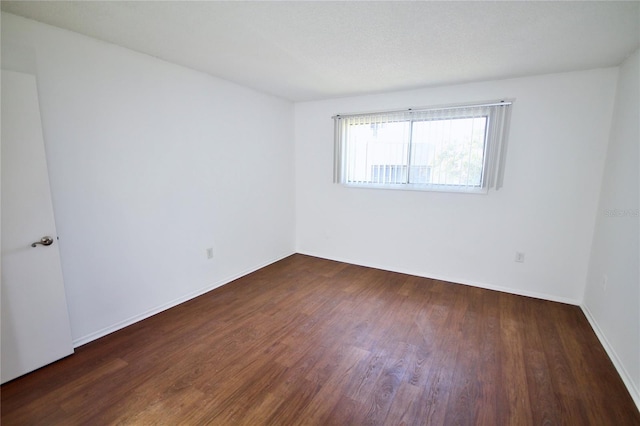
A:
x: 35, y: 321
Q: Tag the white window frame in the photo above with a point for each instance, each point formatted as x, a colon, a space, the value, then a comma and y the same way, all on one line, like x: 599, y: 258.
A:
x: 497, y: 114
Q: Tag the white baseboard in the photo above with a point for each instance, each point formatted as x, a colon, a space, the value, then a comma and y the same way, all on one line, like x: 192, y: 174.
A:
x: 132, y: 320
x: 626, y: 378
x: 456, y: 280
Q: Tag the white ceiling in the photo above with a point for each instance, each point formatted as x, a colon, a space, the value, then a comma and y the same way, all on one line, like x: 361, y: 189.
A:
x: 315, y: 50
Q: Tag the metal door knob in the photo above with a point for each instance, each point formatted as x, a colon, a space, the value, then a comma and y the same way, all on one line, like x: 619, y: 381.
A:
x: 45, y: 241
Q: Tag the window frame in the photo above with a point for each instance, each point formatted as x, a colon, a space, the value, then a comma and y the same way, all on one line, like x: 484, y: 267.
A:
x: 497, y: 114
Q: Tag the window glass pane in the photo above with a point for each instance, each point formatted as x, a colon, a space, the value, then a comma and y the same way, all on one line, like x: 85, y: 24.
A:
x: 448, y: 151
x: 378, y: 152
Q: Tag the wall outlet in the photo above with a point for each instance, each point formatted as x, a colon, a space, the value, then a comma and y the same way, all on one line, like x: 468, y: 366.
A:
x: 605, y: 282
x: 210, y: 253
x: 519, y: 257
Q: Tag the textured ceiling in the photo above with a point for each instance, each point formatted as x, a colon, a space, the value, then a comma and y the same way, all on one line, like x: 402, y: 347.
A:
x: 315, y: 50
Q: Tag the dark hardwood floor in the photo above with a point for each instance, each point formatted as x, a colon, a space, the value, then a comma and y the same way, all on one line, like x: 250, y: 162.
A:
x: 312, y: 341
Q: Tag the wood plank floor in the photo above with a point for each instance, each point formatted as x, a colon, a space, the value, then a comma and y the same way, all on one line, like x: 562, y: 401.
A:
x: 317, y: 342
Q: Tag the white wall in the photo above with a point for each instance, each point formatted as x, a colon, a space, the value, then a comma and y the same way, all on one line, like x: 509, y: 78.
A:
x: 559, y: 130
x: 614, y: 307
x: 151, y: 163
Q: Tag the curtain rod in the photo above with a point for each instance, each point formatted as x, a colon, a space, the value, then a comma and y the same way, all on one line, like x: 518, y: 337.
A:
x: 443, y: 108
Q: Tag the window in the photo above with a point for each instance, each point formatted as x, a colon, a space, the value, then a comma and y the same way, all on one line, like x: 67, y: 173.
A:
x: 458, y: 148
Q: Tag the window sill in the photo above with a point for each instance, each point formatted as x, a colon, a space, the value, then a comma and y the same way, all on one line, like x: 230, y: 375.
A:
x: 417, y: 187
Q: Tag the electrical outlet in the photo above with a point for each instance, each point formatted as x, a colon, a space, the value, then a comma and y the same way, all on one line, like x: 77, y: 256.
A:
x: 519, y: 257
x: 605, y: 282
x: 210, y: 253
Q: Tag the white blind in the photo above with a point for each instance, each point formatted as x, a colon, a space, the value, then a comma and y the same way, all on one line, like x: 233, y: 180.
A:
x: 456, y: 148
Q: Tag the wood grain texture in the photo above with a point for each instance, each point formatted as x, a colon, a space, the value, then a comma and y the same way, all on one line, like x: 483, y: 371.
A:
x: 316, y: 342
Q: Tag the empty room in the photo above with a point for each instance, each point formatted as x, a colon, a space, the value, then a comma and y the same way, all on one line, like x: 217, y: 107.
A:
x: 320, y: 213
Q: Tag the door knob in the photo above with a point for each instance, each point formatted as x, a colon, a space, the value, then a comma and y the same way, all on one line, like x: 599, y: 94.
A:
x: 45, y: 241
